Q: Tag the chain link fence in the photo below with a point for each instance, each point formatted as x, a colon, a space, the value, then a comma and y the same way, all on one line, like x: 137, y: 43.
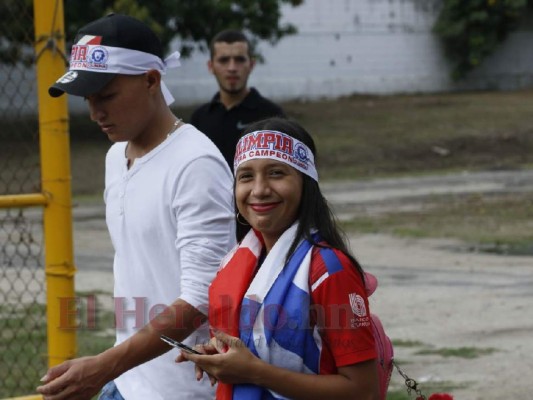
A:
x: 22, y: 280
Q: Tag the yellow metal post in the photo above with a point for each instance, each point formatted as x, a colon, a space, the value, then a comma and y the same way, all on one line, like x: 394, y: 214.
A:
x: 55, y: 172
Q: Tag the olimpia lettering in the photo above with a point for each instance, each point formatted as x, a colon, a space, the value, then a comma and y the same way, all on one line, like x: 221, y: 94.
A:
x: 277, y: 146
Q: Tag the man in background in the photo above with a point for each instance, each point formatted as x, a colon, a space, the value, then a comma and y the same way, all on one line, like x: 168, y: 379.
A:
x: 235, y: 105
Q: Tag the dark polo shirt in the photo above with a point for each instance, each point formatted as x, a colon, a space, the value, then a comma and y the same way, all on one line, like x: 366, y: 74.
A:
x: 224, y: 127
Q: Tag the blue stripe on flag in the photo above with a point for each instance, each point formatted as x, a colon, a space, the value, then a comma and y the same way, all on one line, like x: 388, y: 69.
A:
x: 249, y: 310
x: 286, y: 313
x: 293, y: 331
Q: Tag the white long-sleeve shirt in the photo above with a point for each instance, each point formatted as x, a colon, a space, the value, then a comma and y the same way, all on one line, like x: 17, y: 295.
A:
x: 170, y: 217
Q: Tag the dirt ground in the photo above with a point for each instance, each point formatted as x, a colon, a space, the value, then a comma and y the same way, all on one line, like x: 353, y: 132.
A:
x: 442, y: 298
x: 433, y: 294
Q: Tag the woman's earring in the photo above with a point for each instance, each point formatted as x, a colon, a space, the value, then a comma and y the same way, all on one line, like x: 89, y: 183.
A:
x: 245, y: 223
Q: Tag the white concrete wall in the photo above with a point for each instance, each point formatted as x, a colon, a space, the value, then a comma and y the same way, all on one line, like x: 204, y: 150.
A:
x: 362, y: 46
x: 354, y: 46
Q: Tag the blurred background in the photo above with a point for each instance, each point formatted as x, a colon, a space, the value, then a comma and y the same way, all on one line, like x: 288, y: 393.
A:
x: 390, y: 89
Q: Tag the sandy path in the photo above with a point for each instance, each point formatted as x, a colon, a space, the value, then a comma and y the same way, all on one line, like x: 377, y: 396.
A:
x: 433, y: 294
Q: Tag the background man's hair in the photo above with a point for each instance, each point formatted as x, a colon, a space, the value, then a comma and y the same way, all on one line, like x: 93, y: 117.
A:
x: 230, y: 36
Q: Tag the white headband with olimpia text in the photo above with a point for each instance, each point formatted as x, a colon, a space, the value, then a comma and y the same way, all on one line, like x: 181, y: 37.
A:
x: 276, y: 146
x: 117, y: 60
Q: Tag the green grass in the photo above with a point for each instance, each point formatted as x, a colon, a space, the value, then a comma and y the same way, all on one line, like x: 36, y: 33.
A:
x: 23, y: 345
x: 461, y: 352
x: 501, y: 224
x: 398, y: 395
x: 22, y: 348
x: 361, y: 137
x: 406, y: 343
x: 427, y: 388
x: 366, y: 136
x: 357, y: 137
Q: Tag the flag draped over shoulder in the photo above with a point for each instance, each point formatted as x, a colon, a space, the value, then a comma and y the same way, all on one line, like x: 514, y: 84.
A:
x: 267, y: 307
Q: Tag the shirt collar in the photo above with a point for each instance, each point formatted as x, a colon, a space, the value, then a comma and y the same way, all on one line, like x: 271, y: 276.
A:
x: 250, y: 101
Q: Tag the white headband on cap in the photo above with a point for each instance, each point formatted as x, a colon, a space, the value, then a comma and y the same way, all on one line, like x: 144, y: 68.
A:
x: 276, y: 146
x: 117, y: 60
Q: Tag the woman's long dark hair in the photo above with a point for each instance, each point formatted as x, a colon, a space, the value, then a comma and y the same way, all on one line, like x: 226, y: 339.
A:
x: 314, y: 212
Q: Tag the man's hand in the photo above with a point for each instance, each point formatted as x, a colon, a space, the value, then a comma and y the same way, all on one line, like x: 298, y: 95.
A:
x: 82, y: 378
x: 77, y: 379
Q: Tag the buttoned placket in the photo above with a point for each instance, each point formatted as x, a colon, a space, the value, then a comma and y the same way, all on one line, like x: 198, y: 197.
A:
x: 127, y: 174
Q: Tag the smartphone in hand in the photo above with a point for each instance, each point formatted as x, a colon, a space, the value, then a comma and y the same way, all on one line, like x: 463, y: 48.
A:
x: 179, y: 345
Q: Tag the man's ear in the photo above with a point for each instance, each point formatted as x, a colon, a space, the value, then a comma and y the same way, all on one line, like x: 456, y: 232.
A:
x: 252, y: 63
x: 210, y: 65
x: 153, y: 79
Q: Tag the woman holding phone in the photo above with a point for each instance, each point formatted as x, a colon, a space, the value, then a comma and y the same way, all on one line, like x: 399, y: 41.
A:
x: 288, y: 308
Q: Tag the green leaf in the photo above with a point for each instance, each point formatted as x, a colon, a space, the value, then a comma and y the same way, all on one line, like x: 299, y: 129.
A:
x: 194, y: 22
x: 470, y: 30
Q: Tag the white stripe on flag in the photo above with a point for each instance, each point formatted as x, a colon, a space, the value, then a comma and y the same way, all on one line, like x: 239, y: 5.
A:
x: 319, y: 281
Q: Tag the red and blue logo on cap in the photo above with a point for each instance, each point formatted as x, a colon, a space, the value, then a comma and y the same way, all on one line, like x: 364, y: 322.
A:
x: 87, y: 53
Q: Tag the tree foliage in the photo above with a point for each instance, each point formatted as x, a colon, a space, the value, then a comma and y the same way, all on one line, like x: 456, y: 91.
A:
x: 194, y: 22
x: 471, y: 30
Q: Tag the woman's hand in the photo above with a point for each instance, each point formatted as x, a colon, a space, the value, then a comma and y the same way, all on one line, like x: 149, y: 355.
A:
x: 207, y: 349
x: 227, y: 359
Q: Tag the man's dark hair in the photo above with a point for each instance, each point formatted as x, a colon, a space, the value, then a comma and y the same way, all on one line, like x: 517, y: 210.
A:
x: 314, y: 212
x: 229, y: 36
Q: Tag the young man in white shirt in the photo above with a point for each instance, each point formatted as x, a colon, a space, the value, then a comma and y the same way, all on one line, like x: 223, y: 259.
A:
x: 169, y: 211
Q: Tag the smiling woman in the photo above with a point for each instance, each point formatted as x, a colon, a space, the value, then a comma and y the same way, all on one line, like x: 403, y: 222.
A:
x: 288, y: 309
x: 268, y: 194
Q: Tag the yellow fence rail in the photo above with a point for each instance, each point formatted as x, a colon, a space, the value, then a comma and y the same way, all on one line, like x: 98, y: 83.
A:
x: 23, y: 200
